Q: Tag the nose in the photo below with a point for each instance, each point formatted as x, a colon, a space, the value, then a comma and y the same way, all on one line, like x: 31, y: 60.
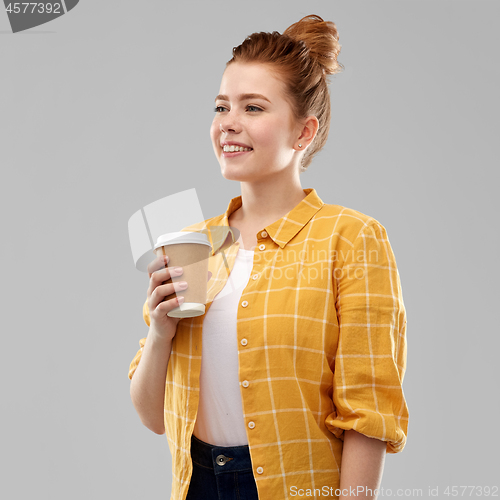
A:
x: 229, y: 123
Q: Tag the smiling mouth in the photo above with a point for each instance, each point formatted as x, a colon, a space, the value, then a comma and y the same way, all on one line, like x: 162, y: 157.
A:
x: 234, y: 149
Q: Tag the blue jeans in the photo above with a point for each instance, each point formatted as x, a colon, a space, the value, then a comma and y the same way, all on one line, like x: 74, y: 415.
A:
x: 221, y: 473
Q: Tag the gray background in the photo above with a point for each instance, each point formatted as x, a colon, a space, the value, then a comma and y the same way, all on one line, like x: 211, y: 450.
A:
x: 108, y: 108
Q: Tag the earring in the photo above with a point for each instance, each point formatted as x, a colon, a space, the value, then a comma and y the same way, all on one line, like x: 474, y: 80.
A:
x: 300, y: 145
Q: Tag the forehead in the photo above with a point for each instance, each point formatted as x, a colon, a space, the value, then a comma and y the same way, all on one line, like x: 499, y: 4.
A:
x: 251, y: 78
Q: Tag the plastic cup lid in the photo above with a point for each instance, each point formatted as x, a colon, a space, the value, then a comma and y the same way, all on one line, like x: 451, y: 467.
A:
x: 182, y: 237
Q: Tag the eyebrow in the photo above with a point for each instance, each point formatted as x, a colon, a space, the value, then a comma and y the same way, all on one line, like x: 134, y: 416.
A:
x: 242, y: 97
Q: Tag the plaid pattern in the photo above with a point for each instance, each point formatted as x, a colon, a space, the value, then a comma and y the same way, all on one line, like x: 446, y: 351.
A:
x: 321, y: 332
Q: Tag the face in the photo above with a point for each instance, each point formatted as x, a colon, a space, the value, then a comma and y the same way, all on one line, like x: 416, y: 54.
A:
x: 252, y: 112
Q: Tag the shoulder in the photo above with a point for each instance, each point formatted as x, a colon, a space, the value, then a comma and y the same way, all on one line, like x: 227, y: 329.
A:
x: 346, y: 222
x: 205, y: 225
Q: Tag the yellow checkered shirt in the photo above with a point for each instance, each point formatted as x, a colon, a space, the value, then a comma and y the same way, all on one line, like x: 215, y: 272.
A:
x: 321, y: 329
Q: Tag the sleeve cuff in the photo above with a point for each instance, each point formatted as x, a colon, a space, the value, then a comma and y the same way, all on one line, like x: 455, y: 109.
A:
x: 393, y: 430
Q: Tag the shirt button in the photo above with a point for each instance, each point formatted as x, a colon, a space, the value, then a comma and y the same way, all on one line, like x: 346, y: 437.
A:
x: 244, y: 341
x: 260, y: 470
x: 262, y: 247
x: 263, y: 234
x: 255, y: 276
x: 251, y: 425
x: 245, y: 383
x: 244, y: 303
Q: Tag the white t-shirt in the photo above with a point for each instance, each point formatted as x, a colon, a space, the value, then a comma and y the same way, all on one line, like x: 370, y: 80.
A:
x: 220, y: 413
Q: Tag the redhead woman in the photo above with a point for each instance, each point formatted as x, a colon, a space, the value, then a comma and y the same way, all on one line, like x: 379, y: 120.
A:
x: 290, y: 384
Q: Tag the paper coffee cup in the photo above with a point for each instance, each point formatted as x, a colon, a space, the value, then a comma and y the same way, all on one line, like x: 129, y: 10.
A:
x: 191, y: 251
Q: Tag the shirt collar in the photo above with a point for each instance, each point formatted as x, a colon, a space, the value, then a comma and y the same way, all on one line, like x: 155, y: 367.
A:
x: 281, y: 231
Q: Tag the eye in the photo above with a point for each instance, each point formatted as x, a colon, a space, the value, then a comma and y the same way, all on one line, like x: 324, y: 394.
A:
x: 254, y: 107
x: 219, y: 109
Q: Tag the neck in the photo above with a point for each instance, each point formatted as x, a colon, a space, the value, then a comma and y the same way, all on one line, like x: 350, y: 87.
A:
x: 264, y: 203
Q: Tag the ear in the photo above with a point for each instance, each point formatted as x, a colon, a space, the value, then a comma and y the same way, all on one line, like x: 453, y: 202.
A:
x: 309, y: 130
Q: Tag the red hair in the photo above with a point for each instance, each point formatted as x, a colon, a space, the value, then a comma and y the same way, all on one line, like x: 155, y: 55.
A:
x: 302, y: 57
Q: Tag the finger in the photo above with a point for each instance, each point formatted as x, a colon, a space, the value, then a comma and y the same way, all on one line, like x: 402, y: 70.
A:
x: 164, y: 308
x: 156, y: 279
x: 163, y: 291
x: 159, y: 263
x: 162, y: 277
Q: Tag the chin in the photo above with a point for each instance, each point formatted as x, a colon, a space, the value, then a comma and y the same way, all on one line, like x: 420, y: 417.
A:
x: 231, y: 175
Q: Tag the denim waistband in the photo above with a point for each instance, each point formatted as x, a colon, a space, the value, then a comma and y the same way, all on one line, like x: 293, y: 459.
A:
x: 220, y: 458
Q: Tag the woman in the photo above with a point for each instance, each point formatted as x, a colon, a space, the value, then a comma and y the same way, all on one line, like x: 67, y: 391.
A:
x: 299, y: 390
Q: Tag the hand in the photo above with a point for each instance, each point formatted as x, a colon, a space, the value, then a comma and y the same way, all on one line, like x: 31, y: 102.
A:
x: 158, y: 290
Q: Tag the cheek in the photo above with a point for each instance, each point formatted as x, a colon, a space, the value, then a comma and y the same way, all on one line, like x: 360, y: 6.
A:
x: 215, y: 138
x: 214, y: 130
x: 271, y: 135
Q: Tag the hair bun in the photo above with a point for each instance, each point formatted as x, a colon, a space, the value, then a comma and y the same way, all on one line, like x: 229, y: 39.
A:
x: 322, y: 40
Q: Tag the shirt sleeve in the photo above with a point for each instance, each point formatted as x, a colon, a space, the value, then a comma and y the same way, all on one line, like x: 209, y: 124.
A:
x: 370, y: 361
x: 135, y: 362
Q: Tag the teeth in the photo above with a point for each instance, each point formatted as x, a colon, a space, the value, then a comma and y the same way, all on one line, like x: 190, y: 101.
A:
x: 230, y: 149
